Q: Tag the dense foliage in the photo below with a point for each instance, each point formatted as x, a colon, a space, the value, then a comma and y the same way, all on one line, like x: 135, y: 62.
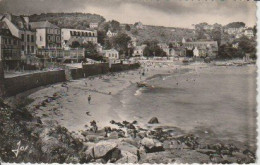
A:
x: 152, y: 49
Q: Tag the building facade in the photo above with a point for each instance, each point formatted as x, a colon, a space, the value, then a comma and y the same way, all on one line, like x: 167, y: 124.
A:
x: 111, y: 34
x: 20, y: 27
x: 111, y: 54
x: 139, y: 51
x: 93, y: 25
x: 205, y: 48
x: 48, y: 36
x: 10, y: 46
x: 68, y: 36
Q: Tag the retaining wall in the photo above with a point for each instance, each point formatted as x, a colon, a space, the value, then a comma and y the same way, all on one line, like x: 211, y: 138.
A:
x: 103, y: 68
x: 18, y: 84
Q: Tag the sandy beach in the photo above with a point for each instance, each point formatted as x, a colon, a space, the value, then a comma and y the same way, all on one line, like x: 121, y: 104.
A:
x: 70, y: 110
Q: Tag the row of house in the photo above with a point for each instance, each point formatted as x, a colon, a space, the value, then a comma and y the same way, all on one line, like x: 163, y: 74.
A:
x: 21, y: 39
x: 240, y: 31
x: 191, y: 48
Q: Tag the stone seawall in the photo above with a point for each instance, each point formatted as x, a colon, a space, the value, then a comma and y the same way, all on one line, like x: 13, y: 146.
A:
x: 95, y: 69
x: 18, y: 84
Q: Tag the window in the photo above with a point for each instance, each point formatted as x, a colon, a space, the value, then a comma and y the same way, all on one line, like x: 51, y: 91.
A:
x: 58, y: 39
x: 49, y: 38
x: 32, y: 49
x: 28, y: 49
x: 32, y: 38
x: 9, y: 41
x: 15, y: 42
x: 28, y: 38
x: 22, y: 47
x: 22, y: 37
x: 40, y: 38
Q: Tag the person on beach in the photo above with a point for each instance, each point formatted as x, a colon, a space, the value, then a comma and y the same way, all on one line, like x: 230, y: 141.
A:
x: 89, y: 99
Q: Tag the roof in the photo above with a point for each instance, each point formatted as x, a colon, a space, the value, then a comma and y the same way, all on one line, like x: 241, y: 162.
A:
x: 202, y: 42
x: 163, y: 45
x: 110, y: 50
x: 42, y: 24
x: 18, y: 21
x: 140, y: 47
x: 7, y: 32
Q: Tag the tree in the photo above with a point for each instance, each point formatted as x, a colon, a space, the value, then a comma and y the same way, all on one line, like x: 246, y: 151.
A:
x: 152, y: 49
x: 127, y: 27
x: 90, y: 48
x: 247, y: 46
x: 75, y: 44
x: 101, y: 37
x: 216, y: 35
x: 115, y: 25
x: 121, y: 41
x: 107, y: 44
x: 235, y: 25
x: 91, y: 51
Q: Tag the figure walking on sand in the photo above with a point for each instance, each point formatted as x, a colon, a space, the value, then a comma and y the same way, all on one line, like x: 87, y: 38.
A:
x: 89, y: 99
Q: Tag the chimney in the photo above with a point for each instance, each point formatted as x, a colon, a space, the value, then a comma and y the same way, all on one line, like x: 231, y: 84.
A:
x: 26, y: 19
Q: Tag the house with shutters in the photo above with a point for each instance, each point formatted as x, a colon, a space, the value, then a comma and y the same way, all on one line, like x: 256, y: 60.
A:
x: 48, y: 35
x: 20, y: 27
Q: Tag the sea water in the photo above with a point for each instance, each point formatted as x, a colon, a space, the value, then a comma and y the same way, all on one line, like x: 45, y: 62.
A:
x: 219, y: 99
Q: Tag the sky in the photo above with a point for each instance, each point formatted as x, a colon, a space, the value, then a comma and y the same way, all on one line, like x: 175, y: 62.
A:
x: 171, y: 13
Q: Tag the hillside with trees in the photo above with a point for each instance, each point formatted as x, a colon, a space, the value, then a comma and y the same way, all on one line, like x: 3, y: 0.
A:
x: 68, y: 20
x: 160, y: 33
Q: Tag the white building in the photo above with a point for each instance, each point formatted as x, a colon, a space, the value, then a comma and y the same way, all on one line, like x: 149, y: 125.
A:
x: 68, y: 36
x: 183, y: 40
x: 111, y: 54
x: 99, y: 48
x: 47, y: 35
x: 196, y: 52
x: 93, y: 25
x: 172, y: 52
x: 249, y: 33
x: 234, y: 30
x: 139, y: 50
x: 111, y: 34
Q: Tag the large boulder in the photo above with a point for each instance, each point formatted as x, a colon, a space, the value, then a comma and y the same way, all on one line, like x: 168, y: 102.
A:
x: 152, y: 145
x: 124, y: 146
x: 127, y: 157
x: 153, y: 120
x: 101, y: 149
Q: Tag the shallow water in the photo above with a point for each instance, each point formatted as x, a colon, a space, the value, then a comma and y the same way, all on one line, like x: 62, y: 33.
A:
x: 222, y: 99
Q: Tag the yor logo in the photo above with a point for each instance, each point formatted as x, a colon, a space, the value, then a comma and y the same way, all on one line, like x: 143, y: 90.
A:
x: 19, y: 149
